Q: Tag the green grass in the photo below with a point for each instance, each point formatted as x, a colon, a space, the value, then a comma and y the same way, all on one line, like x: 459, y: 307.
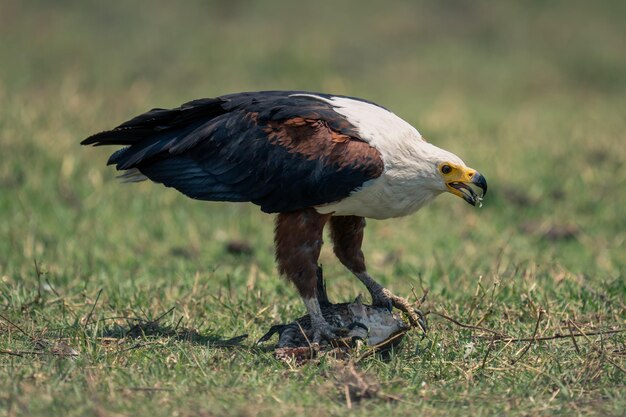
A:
x: 531, y: 94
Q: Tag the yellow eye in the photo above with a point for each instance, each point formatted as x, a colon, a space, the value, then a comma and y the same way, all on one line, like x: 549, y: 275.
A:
x: 446, y: 169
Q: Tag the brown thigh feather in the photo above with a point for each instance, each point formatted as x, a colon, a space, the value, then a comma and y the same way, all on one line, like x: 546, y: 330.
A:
x: 347, y: 235
x: 298, y: 238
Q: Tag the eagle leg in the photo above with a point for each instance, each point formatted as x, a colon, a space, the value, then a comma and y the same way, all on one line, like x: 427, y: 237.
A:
x: 298, y: 238
x: 347, y: 235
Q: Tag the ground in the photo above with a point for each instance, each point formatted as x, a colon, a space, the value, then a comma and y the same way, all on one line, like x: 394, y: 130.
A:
x: 126, y: 295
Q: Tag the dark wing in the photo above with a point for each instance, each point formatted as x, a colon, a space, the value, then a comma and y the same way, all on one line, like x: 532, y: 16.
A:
x: 278, y: 151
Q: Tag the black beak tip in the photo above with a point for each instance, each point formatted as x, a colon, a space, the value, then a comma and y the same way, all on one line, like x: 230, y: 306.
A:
x: 479, y: 180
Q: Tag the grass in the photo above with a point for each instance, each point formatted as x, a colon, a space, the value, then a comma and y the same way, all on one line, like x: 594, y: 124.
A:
x: 531, y: 94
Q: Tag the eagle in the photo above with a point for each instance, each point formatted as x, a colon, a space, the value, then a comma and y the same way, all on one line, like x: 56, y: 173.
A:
x: 313, y: 159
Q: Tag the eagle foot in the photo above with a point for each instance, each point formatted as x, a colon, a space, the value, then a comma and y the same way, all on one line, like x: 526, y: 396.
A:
x: 324, y: 332
x: 385, y: 298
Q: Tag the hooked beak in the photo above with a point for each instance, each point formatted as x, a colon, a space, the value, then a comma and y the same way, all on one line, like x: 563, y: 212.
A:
x: 462, y: 186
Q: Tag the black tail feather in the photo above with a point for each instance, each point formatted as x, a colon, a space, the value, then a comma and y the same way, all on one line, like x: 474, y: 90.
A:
x: 117, y: 137
x: 157, y: 120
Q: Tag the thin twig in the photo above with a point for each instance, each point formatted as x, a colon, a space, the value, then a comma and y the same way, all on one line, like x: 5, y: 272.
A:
x: 178, y: 324
x: 482, y: 366
x: 377, y: 347
x: 146, y: 389
x: 10, y: 352
x: 35, y: 352
x: 346, y: 391
x: 571, y: 332
x: 507, y: 339
x: 308, y: 342
x: 532, y: 340
x: 558, y: 336
x: 163, y: 315
x: 469, y: 326
x: 52, y: 288
x: 16, y: 326
x: 93, y: 307
x: 420, y: 300
x: 600, y: 351
x: 39, y: 274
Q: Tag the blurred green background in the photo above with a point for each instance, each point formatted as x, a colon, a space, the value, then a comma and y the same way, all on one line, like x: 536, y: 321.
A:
x: 532, y: 94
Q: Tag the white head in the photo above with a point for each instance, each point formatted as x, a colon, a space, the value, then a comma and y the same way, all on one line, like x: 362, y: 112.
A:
x: 440, y: 170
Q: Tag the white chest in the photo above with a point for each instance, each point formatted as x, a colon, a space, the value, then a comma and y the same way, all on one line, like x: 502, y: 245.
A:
x: 382, y: 198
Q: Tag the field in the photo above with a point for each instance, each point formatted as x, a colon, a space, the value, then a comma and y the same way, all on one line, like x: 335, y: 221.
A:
x: 122, y: 300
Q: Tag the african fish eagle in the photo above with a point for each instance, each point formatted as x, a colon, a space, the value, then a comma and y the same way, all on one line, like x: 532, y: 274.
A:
x: 314, y: 159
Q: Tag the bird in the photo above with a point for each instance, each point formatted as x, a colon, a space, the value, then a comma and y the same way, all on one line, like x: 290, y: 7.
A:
x: 315, y: 160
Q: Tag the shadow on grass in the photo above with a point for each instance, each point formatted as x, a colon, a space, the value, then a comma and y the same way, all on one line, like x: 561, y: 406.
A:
x: 151, y: 329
